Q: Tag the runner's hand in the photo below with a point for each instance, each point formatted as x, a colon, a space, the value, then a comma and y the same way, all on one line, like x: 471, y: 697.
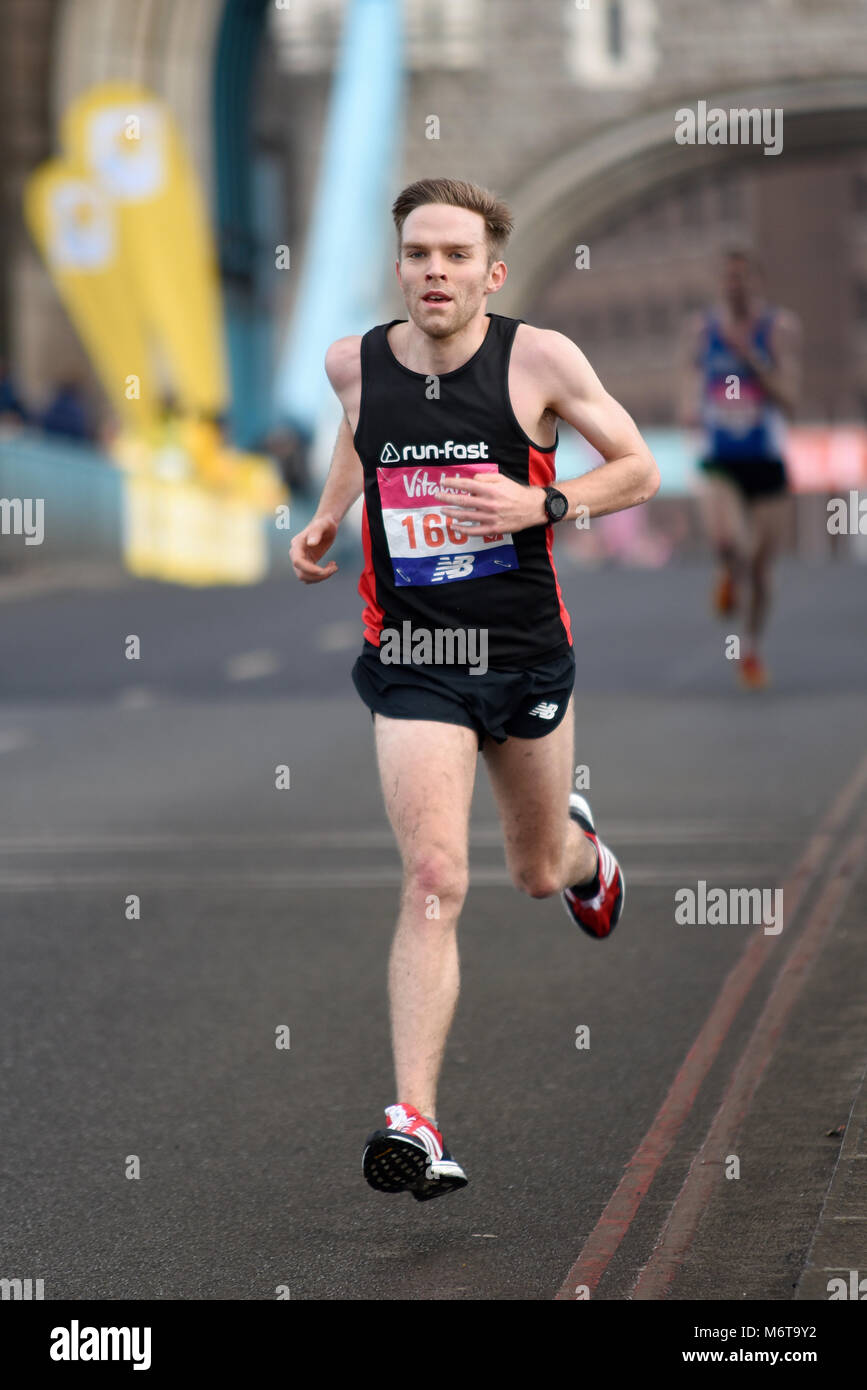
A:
x: 309, y: 546
x: 496, y: 504
x: 741, y: 343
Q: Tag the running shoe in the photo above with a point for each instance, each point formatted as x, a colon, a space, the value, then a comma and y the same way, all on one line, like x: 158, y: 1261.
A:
x: 410, y: 1156
x: 725, y: 598
x: 753, y: 672
x: 595, y: 906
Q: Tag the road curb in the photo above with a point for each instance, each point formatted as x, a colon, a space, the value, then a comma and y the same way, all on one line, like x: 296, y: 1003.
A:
x: 33, y: 581
x: 839, y: 1246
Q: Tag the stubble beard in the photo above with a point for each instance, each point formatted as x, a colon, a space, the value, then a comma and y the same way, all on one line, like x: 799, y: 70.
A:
x: 440, y: 329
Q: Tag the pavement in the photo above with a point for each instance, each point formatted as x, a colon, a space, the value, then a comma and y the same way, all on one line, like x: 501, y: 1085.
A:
x: 166, y: 910
x: 838, y: 1243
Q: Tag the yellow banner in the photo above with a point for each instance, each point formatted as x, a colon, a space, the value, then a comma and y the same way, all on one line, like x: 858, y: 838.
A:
x: 122, y: 227
x: 75, y: 226
x: 181, y: 532
x: 128, y: 140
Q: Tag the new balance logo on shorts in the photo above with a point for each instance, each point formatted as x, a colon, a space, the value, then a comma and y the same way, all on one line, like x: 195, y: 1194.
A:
x: 545, y: 709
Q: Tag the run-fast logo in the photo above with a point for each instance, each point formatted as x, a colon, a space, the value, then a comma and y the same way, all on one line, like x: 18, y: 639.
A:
x: 420, y: 452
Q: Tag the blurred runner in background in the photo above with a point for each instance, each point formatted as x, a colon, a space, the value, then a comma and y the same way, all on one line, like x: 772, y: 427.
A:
x: 741, y: 375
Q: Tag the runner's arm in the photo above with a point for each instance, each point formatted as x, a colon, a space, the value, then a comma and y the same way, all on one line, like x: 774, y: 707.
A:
x: 629, y: 475
x: 345, y: 481
x: 691, y: 381
x: 782, y: 378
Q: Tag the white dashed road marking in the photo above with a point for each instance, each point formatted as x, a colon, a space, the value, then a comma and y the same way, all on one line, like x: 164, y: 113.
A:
x: 252, y: 666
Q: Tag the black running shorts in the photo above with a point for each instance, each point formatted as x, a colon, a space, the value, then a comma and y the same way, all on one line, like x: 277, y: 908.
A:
x: 753, y: 477
x: 501, y: 704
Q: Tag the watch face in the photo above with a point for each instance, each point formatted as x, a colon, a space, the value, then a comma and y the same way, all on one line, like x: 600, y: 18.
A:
x: 559, y: 507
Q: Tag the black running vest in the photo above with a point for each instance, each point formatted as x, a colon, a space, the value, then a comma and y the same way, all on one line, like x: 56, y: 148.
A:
x: 419, y: 567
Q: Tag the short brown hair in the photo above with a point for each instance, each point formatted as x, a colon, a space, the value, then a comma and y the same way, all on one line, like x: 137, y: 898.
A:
x: 741, y: 251
x: 457, y: 193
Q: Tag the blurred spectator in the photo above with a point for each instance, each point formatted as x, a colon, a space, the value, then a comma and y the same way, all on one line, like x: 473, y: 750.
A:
x: 12, y: 411
x: 290, y: 451
x: 68, y: 412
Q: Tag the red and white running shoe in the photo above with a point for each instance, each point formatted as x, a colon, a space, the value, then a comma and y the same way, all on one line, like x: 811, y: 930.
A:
x: 410, y: 1156
x: 753, y: 673
x: 725, y: 595
x: 595, y: 906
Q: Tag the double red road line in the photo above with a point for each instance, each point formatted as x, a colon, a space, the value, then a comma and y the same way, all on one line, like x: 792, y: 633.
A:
x: 616, y: 1219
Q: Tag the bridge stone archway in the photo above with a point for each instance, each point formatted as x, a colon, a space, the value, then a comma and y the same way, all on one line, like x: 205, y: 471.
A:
x: 558, y: 206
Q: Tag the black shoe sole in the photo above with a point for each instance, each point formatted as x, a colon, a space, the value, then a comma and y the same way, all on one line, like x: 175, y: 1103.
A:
x: 392, y: 1163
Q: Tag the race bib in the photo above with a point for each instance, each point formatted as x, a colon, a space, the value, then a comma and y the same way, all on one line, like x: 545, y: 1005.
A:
x: 735, y: 416
x: 427, y: 547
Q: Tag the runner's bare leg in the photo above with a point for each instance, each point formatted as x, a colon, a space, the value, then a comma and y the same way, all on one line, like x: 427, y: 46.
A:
x: 724, y: 516
x: 531, y: 780
x: 767, y: 517
x: 427, y: 771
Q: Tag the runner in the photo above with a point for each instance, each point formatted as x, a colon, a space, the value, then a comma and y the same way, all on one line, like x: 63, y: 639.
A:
x: 450, y: 429
x: 741, y: 373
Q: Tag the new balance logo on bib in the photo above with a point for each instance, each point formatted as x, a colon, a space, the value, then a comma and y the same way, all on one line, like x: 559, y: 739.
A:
x: 453, y: 567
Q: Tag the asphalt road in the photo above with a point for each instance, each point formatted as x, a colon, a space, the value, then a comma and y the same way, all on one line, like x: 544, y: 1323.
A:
x: 155, y: 1038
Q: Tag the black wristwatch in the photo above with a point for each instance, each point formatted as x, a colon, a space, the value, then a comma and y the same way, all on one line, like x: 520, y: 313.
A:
x: 556, y: 505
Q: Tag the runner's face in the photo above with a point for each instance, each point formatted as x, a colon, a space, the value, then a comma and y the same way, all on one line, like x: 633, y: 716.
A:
x: 444, y: 253
x: 738, y: 283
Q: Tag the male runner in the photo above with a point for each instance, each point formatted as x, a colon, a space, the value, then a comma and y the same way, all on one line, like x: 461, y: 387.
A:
x: 741, y: 372
x: 450, y: 428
